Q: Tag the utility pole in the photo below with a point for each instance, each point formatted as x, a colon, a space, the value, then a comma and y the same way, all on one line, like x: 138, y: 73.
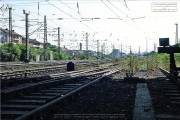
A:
x: 10, y: 33
x: 155, y: 47
x: 176, y: 33
x: 130, y: 64
x: 139, y: 51
x: 38, y: 9
x: 45, y: 37
x: 102, y: 50
x: 59, y: 44
x: 147, y: 53
x: 113, y: 51
x: 97, y: 49
x: 121, y: 50
x: 27, y: 36
x: 87, y: 46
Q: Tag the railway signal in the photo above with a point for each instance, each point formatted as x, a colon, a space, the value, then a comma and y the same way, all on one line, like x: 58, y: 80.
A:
x: 169, y: 50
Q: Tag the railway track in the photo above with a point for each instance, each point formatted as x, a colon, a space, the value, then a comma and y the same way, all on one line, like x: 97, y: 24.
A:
x: 33, y: 100
x: 171, y: 87
x: 44, y: 74
x: 11, y: 66
x: 27, y: 100
x: 165, y: 97
x: 32, y: 72
x: 21, y: 83
x: 54, y: 68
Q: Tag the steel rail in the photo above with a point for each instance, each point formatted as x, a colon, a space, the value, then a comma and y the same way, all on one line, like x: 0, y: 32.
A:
x: 50, y: 104
x: 49, y: 81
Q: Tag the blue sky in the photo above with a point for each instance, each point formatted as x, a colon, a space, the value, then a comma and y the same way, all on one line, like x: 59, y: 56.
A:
x: 112, y: 22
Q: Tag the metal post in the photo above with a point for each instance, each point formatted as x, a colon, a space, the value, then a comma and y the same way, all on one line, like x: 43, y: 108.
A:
x: 27, y: 36
x: 130, y: 64
x: 97, y: 49
x: 59, y: 43
x: 176, y: 34
x: 139, y: 51
x: 147, y: 53
x: 102, y: 50
x: 87, y: 46
x: 172, y: 63
x: 113, y: 51
x: 45, y: 37
x: 121, y: 50
x: 38, y: 13
x: 10, y: 33
x: 27, y: 39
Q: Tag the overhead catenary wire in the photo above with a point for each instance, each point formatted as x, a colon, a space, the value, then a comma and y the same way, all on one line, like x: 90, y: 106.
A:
x: 132, y: 19
x: 73, y: 18
x: 39, y: 15
x: 110, y: 9
x: 70, y: 15
x: 115, y: 13
x: 75, y: 11
x: 24, y: 28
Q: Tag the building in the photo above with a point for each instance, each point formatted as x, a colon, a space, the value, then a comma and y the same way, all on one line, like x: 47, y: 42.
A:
x: 76, y: 52
x: 117, y: 54
x: 65, y: 50
x: 33, y: 42
x: 4, y: 36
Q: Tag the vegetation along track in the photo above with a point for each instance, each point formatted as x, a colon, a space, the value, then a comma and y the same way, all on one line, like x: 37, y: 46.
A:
x: 29, y: 100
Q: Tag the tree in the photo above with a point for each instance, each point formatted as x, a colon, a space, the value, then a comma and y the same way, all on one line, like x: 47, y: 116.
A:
x: 16, y: 52
x: 22, y: 48
x: 4, y: 52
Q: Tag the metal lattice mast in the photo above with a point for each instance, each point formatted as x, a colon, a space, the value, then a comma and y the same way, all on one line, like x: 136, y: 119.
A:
x: 87, y: 45
x: 176, y: 34
x: 97, y: 49
x: 59, y: 51
x: 10, y: 33
x: 45, y: 37
x: 27, y: 36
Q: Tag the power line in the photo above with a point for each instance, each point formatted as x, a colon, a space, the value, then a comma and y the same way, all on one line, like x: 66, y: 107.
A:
x: 70, y: 16
x: 129, y: 17
x: 52, y: 20
x: 111, y: 9
x: 116, y: 14
x: 118, y: 9
x: 78, y: 12
x: 32, y: 14
x: 68, y: 6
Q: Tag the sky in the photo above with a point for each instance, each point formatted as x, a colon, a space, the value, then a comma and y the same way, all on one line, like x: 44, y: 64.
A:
x: 115, y: 23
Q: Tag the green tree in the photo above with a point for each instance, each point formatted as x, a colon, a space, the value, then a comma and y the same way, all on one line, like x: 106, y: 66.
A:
x: 4, y: 52
x: 16, y: 52
x: 22, y: 48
